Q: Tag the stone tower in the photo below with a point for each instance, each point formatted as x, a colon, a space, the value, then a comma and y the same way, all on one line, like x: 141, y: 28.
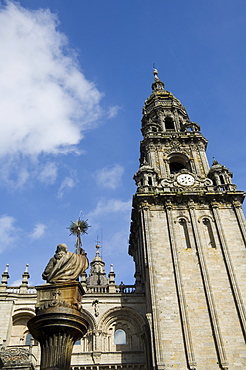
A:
x: 188, y: 243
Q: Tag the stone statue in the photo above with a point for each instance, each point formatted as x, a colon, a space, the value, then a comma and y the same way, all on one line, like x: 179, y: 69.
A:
x: 65, y: 265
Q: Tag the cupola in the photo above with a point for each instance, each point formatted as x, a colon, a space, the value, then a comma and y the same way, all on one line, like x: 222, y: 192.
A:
x: 221, y: 177
x: 97, y: 274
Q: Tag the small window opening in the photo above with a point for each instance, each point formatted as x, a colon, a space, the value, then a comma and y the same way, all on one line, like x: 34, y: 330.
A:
x: 141, y: 182
x: 176, y: 167
x: 169, y: 124
x: 208, y: 225
x: 28, y: 339
x: 222, y: 181
x: 183, y: 223
x: 154, y: 129
x: 150, y: 181
x: 119, y: 336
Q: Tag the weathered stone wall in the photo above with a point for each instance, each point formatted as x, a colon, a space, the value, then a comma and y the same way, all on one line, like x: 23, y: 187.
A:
x: 196, y: 289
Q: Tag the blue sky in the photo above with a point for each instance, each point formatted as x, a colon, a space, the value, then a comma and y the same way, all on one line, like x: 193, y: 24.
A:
x: 73, y: 79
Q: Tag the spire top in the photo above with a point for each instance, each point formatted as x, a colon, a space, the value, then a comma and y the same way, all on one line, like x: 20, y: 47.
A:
x: 7, y: 268
x: 5, y: 277
x: 97, y: 249
x: 155, y: 73
x: 157, y: 85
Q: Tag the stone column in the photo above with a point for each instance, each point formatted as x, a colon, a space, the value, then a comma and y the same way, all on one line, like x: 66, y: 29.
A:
x: 58, y: 323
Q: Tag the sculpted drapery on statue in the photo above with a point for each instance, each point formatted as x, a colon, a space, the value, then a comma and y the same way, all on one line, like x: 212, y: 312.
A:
x: 65, y: 265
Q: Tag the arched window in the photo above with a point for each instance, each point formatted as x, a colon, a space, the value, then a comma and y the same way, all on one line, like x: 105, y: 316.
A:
x: 150, y: 181
x: 20, y: 332
x: 176, y: 167
x: 207, y: 223
x: 178, y: 162
x: 169, y: 124
x: 183, y: 223
x: 119, y: 337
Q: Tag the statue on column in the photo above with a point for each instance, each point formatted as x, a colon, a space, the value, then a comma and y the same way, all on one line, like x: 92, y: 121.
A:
x: 59, y: 321
x: 64, y: 265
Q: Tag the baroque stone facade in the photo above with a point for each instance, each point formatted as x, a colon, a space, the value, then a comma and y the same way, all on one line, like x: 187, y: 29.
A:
x: 188, y: 237
x: 116, y: 315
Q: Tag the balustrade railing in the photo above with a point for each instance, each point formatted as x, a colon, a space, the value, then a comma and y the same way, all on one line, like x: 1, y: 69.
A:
x: 122, y: 288
x: 16, y: 290
x: 125, y: 289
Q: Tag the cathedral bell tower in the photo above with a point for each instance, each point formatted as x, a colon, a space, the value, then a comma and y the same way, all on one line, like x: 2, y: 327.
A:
x: 188, y: 241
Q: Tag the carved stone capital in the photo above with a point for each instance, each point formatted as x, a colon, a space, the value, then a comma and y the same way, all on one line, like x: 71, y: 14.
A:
x: 169, y: 206
x: 144, y: 205
x: 67, y: 294
x: 214, y: 204
x: 237, y: 204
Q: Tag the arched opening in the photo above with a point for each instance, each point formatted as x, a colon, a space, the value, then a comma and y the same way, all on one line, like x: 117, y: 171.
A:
x: 183, y: 223
x: 178, y: 162
x: 169, y: 124
x: 123, y: 331
x: 20, y: 333
x: 222, y: 181
x: 208, y: 225
x: 119, y: 337
x: 28, y: 339
x: 176, y: 167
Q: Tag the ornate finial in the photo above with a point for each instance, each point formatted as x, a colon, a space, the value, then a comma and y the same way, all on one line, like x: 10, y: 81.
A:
x: 7, y: 268
x: 155, y: 73
x: 97, y: 249
x: 157, y: 85
x: 77, y: 228
x: 24, y: 283
x: 5, y: 277
x: 111, y: 276
x: 214, y: 162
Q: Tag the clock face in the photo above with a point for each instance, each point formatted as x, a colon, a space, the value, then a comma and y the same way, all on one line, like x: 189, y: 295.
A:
x: 185, y: 179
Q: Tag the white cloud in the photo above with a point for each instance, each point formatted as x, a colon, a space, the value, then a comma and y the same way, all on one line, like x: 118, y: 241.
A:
x: 67, y: 183
x: 17, y: 282
x: 8, y: 232
x: 110, y: 206
x: 45, y: 101
x: 116, y: 242
x: 113, y: 111
x: 48, y: 173
x: 16, y: 172
x: 109, y: 177
x: 38, y: 231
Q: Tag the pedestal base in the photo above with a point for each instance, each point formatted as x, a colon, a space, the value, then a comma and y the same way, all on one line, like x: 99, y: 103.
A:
x: 58, y: 324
